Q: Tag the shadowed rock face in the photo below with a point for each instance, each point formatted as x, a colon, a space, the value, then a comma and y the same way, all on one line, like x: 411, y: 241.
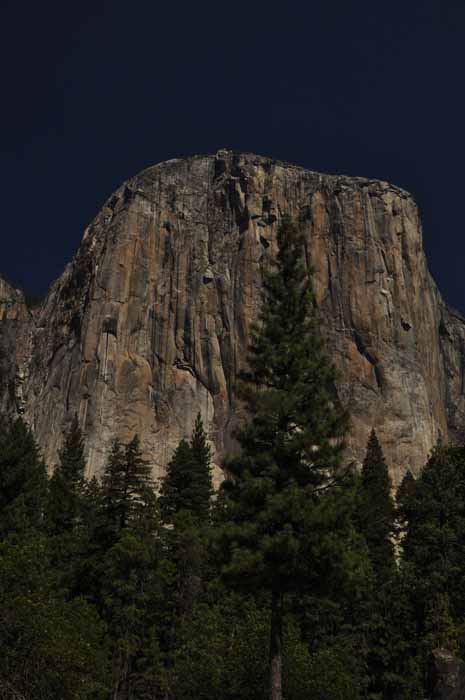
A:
x: 149, y: 323
x: 15, y: 341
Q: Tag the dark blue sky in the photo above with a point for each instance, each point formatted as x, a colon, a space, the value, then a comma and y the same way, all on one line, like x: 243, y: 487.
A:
x: 92, y: 92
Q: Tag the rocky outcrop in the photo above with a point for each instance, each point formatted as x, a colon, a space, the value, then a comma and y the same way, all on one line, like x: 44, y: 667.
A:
x: 15, y: 337
x: 149, y: 322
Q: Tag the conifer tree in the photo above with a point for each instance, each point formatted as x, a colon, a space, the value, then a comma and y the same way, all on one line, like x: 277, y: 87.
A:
x: 290, y: 445
x: 23, y: 480
x: 433, y: 551
x: 127, y: 486
x: 112, y: 488
x: 68, y: 484
x: 185, y: 496
x: 187, y: 485
x: 173, y: 497
x: 377, y: 507
x: 121, y: 571
x: 201, y: 480
x: 404, y: 496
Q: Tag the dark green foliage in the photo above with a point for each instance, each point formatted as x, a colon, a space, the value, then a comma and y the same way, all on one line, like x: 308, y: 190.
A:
x: 392, y: 666
x: 185, y: 497
x: 173, y: 496
x: 68, y: 485
x: 222, y: 654
x: 376, y: 511
x: 390, y: 630
x: 433, y: 551
x: 129, y: 594
x: 51, y: 648
x: 404, y: 499
x: 127, y: 488
x: 114, y: 594
x: 187, y: 484
x: 291, y: 444
x: 434, y: 541
x: 201, y: 489
x: 440, y: 631
x: 23, y: 480
x: 120, y: 573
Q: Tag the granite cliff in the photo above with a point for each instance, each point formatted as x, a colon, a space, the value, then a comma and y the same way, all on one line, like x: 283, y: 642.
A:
x: 15, y: 340
x: 149, y: 322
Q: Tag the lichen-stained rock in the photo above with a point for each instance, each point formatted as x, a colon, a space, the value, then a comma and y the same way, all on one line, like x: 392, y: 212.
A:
x: 149, y: 322
x: 15, y: 337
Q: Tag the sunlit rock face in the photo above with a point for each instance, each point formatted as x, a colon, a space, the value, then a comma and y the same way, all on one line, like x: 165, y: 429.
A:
x: 149, y: 323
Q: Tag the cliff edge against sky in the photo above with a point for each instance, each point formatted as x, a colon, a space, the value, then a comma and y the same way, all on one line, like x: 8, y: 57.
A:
x: 149, y: 322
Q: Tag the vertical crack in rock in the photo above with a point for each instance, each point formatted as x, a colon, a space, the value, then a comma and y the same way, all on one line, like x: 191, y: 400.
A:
x: 168, y: 279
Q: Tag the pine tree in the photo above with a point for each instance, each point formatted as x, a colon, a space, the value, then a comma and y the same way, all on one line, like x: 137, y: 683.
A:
x: 173, y: 495
x: 404, y: 496
x: 185, y: 497
x: 51, y: 647
x: 440, y: 628
x: 433, y: 544
x: 112, y: 488
x: 127, y: 486
x: 433, y: 551
x: 121, y: 571
x: 377, y: 508
x: 291, y: 443
x: 187, y: 484
x: 201, y: 483
x: 138, y: 500
x: 68, y: 485
x: 23, y: 480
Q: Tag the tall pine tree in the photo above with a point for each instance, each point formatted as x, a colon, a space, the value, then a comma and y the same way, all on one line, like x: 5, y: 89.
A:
x: 127, y: 486
x: 187, y: 485
x: 68, y: 484
x: 377, y: 513
x: 404, y: 497
x: 23, y: 480
x: 173, y: 496
x: 121, y: 572
x: 291, y: 443
x: 201, y: 484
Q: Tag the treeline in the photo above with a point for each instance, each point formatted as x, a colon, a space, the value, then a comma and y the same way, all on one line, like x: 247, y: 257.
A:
x: 300, y: 578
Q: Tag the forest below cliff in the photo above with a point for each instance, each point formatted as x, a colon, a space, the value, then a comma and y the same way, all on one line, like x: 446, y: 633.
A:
x: 300, y: 578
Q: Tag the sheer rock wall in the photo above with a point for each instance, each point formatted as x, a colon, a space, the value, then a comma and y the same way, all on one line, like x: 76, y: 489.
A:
x: 15, y: 344
x: 149, y: 322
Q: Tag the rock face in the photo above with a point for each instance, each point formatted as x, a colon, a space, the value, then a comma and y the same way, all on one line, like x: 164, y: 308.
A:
x: 15, y: 344
x: 149, y: 322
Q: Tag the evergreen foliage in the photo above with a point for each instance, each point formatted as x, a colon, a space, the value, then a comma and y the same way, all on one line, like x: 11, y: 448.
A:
x: 433, y: 544
x: 290, y: 445
x: 23, y: 480
x: 201, y: 489
x: 68, y: 485
x: 377, y: 512
x: 127, y: 488
x: 52, y: 648
x: 174, y: 494
x: 108, y: 592
x: 187, y: 484
x: 404, y: 498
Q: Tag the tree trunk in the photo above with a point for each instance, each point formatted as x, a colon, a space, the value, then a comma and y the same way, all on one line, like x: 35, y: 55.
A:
x: 276, y: 646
